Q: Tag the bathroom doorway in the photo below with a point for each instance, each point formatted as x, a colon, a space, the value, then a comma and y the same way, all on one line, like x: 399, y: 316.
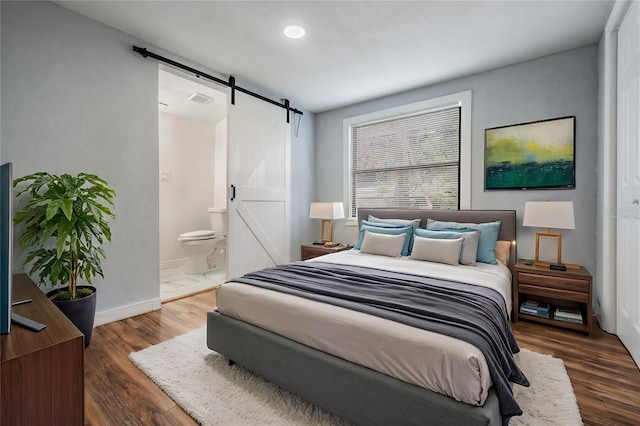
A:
x: 193, y: 183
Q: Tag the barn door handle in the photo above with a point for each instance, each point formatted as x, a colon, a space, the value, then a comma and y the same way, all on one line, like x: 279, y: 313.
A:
x: 233, y: 192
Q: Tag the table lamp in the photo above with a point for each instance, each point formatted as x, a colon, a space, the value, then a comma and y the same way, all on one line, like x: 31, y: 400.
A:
x: 550, y: 214
x: 327, y: 212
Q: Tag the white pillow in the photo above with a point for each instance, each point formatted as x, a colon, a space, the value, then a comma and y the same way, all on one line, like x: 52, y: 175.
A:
x: 469, y: 244
x: 382, y: 244
x: 436, y: 250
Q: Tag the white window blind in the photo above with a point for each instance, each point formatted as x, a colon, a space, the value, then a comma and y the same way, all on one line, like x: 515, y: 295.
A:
x: 409, y: 161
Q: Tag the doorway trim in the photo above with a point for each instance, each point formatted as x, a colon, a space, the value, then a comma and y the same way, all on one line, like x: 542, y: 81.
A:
x: 606, y: 259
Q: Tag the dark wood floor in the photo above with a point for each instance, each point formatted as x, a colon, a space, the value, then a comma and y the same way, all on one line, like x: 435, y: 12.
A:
x: 605, y: 379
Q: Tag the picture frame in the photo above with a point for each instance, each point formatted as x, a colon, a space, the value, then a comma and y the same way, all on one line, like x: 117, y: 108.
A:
x: 533, y: 155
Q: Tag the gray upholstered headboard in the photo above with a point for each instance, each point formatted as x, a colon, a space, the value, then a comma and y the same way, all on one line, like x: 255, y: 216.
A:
x: 507, y: 229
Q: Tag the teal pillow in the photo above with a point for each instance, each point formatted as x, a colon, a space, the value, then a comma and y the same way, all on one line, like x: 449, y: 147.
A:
x: 488, y: 236
x: 388, y: 229
x: 470, y: 242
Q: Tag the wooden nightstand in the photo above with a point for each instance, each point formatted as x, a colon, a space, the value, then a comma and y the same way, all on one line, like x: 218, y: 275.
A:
x: 309, y: 251
x: 571, y: 288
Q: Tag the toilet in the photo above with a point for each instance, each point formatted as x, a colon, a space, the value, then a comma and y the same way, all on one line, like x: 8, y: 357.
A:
x: 199, y: 245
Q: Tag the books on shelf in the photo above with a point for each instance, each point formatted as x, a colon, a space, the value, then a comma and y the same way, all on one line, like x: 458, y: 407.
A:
x: 567, y: 314
x: 535, y: 304
x: 535, y: 307
x: 542, y: 309
x: 534, y: 312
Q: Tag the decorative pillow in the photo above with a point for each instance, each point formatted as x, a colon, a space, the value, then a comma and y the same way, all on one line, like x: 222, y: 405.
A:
x: 437, y: 250
x: 503, y: 252
x: 388, y: 229
x: 383, y: 224
x: 488, y: 236
x: 382, y: 244
x: 469, y: 243
x: 403, y: 222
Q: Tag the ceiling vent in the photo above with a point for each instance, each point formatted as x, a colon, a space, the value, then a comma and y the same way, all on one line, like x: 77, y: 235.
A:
x: 200, y: 98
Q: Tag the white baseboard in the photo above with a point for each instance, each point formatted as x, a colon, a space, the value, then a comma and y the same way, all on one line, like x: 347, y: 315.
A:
x: 174, y: 263
x: 123, y: 312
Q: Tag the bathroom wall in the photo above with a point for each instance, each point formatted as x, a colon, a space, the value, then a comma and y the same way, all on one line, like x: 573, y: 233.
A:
x: 187, y: 154
x: 220, y: 168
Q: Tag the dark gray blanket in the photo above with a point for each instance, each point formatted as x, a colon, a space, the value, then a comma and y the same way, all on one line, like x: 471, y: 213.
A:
x: 471, y: 313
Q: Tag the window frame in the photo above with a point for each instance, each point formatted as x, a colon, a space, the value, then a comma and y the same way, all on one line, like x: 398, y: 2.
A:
x: 461, y: 99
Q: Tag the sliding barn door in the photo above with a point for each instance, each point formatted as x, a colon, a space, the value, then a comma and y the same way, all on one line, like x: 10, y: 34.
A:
x: 259, y: 217
x: 628, y: 202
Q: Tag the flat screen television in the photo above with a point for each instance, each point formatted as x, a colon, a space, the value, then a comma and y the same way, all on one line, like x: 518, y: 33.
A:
x: 6, y: 242
x: 536, y: 155
x: 6, y: 257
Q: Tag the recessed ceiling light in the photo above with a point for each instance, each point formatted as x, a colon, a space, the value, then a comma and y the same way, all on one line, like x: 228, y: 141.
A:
x: 294, y: 31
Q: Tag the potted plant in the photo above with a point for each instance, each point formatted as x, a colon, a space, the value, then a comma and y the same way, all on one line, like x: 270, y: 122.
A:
x: 65, y: 221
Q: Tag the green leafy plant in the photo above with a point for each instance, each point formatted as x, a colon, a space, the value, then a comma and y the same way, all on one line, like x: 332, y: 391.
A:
x: 65, y: 220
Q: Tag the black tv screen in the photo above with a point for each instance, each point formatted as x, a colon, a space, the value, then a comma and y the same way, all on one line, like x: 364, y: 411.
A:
x: 6, y: 242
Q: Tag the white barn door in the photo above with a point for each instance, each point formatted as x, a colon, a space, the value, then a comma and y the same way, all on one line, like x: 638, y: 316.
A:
x: 259, y: 178
x: 628, y: 197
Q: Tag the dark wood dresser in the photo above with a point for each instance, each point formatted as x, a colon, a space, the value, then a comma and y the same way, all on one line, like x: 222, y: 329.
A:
x: 42, y: 373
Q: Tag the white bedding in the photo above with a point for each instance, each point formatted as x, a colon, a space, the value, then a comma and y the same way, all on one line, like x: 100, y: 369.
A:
x: 497, y: 277
x: 436, y: 362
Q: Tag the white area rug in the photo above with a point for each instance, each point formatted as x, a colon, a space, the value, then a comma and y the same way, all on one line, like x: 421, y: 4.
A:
x: 201, y: 382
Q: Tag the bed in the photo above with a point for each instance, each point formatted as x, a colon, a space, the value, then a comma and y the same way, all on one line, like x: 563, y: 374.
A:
x: 319, y: 363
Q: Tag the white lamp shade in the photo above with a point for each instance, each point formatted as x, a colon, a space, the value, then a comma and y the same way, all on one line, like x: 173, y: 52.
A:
x: 549, y: 214
x: 326, y: 211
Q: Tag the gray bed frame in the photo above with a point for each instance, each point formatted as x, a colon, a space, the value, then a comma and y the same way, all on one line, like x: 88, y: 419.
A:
x: 357, y: 394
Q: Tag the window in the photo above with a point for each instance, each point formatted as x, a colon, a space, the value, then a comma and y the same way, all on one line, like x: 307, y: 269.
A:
x: 415, y: 156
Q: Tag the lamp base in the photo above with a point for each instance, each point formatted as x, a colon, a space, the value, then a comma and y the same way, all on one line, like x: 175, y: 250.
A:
x: 327, y: 231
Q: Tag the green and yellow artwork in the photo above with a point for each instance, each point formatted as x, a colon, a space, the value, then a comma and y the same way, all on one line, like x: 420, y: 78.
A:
x: 531, y: 155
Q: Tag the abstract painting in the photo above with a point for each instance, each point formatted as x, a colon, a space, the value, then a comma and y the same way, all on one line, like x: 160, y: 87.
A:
x: 536, y: 155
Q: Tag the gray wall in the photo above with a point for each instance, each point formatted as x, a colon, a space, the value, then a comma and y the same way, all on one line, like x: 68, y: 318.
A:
x: 76, y: 98
x: 552, y: 86
x: 302, y: 182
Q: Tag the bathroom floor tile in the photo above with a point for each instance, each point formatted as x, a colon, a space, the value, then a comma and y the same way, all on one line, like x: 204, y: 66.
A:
x: 174, y: 283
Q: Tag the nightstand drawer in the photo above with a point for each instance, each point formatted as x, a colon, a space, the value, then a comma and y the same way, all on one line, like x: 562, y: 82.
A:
x: 554, y: 293
x: 558, y: 283
x: 568, y: 289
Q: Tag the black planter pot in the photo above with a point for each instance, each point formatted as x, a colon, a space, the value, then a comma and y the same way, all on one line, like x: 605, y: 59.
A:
x: 81, y: 311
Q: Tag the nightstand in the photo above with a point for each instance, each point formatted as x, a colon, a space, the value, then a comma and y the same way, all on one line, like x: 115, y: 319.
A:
x: 571, y: 289
x: 309, y: 251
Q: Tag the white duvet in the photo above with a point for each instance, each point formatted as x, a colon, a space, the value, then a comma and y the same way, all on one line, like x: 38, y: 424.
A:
x: 433, y: 361
x: 497, y: 277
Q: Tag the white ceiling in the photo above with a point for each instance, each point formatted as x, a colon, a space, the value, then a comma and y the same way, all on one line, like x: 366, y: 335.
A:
x: 174, y: 92
x: 353, y: 50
